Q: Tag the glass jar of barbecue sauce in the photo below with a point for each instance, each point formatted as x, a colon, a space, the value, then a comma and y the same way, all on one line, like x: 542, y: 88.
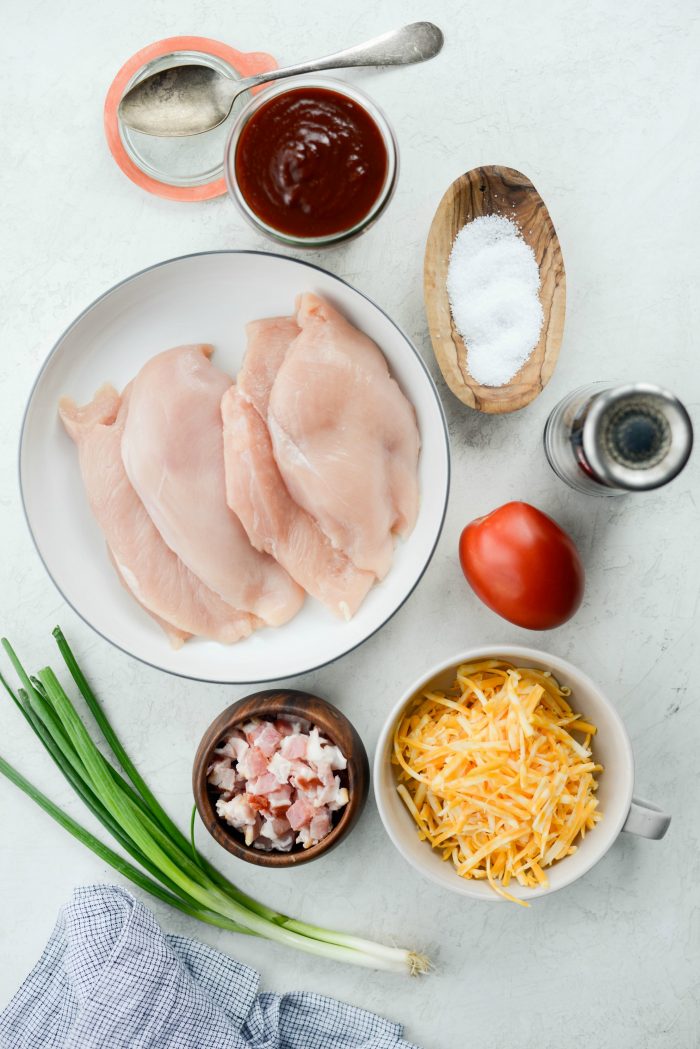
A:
x: 311, y: 162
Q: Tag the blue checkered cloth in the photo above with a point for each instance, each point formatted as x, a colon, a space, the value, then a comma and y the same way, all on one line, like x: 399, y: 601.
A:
x: 110, y: 979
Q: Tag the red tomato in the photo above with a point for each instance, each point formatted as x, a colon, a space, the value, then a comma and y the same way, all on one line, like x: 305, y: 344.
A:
x: 523, y: 566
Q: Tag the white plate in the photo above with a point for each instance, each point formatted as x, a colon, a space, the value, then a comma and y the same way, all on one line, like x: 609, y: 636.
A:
x: 207, y: 298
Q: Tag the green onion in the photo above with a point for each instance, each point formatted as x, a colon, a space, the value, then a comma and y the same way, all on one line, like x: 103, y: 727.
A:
x: 111, y: 857
x: 125, y: 806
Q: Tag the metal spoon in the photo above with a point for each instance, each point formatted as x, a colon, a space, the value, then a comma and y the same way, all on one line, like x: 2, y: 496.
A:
x: 192, y: 99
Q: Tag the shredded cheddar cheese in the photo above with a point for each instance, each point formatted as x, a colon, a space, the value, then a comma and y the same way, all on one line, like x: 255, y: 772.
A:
x: 493, y: 776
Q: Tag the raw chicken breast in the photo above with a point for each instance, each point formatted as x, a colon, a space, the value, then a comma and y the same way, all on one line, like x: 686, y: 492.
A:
x: 345, y: 437
x: 268, y: 342
x: 176, y: 637
x: 150, y: 570
x: 173, y: 454
x: 257, y: 493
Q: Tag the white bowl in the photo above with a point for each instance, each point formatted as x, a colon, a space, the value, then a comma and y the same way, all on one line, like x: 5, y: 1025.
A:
x: 208, y: 298
x: 611, y: 748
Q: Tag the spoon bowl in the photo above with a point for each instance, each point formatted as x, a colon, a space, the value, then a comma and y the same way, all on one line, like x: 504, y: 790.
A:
x: 197, y: 97
x: 494, y: 190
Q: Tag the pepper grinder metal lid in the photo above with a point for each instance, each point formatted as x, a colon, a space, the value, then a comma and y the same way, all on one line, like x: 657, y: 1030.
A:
x: 608, y: 439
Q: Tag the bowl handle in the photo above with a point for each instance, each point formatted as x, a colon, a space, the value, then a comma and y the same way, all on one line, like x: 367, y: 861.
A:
x: 646, y: 819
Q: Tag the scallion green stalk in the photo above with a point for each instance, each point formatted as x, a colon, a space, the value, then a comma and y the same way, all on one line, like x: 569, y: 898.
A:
x: 138, y: 782
x: 179, y: 875
x: 109, y: 856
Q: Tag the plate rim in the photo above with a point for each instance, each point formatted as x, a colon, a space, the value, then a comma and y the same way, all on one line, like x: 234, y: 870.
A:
x: 181, y: 258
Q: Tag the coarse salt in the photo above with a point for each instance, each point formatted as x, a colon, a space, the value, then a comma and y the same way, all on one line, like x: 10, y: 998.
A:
x: 493, y: 284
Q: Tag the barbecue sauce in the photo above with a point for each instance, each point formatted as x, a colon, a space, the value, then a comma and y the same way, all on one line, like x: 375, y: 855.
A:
x: 311, y: 162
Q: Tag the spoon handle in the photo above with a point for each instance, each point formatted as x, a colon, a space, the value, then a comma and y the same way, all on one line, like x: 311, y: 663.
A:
x: 412, y: 43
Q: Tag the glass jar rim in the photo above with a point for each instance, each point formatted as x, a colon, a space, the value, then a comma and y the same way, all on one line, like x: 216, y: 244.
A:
x: 295, y: 84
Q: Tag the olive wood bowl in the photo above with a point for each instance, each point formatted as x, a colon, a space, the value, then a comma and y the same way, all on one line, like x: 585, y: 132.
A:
x: 332, y: 724
x: 494, y: 190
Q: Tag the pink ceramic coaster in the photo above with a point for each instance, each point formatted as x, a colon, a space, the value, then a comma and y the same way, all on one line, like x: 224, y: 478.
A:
x: 246, y: 64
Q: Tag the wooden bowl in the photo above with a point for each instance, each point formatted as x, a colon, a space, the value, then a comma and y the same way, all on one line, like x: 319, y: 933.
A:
x: 274, y: 703
x: 503, y: 191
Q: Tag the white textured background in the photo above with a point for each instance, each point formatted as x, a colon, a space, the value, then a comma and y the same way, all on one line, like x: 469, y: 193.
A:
x: 598, y: 104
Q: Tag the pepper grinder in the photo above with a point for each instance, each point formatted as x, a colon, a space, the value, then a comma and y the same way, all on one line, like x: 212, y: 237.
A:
x: 610, y: 438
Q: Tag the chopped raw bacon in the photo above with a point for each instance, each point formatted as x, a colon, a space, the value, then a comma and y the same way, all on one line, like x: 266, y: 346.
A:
x: 259, y: 802
x: 235, y: 747
x: 282, y: 797
x: 277, y: 783
x: 266, y: 784
x: 238, y: 812
x: 252, y: 764
x: 251, y: 833
x: 266, y: 738
x: 280, y: 767
x: 340, y: 801
x: 284, y: 727
x: 277, y: 825
x: 222, y: 775
x: 294, y: 746
x: 325, y: 773
x: 220, y: 761
x: 335, y: 758
x: 331, y: 794
x: 314, y: 749
x: 300, y: 813
x: 320, y: 824
x: 303, y: 777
